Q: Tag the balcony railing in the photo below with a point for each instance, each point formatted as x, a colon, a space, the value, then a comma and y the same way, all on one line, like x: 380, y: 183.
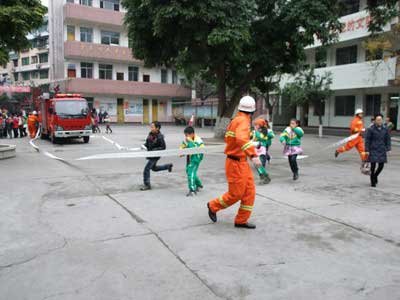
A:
x: 120, y: 87
x: 93, y: 15
x: 100, y: 52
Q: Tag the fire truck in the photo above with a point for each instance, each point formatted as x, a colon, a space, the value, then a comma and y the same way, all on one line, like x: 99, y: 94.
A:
x: 64, y: 116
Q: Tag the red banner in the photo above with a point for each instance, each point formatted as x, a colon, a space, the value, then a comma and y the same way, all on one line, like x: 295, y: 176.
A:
x: 14, y: 89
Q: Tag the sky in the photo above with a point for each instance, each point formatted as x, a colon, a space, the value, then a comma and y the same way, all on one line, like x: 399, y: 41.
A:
x: 45, y: 2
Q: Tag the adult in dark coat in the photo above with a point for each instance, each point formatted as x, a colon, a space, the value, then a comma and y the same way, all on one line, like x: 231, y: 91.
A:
x: 377, y: 145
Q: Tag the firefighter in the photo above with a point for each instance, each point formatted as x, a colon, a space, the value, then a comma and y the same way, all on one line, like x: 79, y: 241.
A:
x: 32, y: 124
x: 238, y: 172
x: 356, y: 126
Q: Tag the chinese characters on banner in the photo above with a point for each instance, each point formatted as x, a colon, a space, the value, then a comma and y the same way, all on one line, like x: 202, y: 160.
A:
x: 357, y: 24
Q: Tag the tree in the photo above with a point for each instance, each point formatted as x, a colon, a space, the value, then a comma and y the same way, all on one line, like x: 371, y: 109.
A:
x: 17, y: 19
x: 232, y: 43
x: 310, y: 88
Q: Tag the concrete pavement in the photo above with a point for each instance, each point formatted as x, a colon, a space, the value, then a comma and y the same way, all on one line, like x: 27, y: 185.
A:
x: 87, y: 232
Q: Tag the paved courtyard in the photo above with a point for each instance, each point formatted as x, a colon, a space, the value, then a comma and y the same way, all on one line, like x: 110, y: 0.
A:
x: 85, y: 231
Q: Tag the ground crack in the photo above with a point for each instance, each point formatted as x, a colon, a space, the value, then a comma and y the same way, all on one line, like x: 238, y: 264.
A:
x: 34, y: 257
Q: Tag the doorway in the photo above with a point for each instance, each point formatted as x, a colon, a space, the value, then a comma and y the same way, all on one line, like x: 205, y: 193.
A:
x: 120, y: 111
x: 145, y: 111
x: 154, y: 111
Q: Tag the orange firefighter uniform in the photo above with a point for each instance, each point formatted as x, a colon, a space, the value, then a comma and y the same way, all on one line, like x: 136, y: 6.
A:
x: 32, y: 125
x: 356, y: 126
x: 238, y: 172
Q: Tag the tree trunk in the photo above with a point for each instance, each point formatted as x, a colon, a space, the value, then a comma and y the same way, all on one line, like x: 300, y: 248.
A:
x: 320, y: 127
x: 221, y: 90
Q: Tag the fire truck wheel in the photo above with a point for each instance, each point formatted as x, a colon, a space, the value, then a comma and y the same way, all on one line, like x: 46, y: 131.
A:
x: 86, y: 139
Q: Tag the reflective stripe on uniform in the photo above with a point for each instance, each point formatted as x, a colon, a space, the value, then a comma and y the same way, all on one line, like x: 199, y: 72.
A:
x: 246, y: 207
x: 247, y: 146
x: 222, y: 202
x: 230, y: 133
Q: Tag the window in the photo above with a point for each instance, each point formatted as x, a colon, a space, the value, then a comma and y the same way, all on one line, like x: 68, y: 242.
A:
x: 43, y: 58
x: 15, y: 62
x: 44, y: 74
x: 110, y: 4
x: 120, y: 76
x: 344, y: 105
x: 348, y: 7
x: 182, y: 81
x: 105, y: 71
x: 174, y: 77
x: 16, y: 77
x: 85, y: 2
x: 375, y: 55
x: 71, y: 1
x: 372, y: 105
x: 35, y: 75
x: 25, y: 75
x: 86, y: 70
x: 110, y: 38
x: 347, y: 55
x: 86, y: 35
x: 319, y: 107
x: 164, y: 76
x: 71, y: 71
x: 133, y: 73
x: 70, y: 33
x: 34, y: 59
x: 25, y: 61
x: 146, y: 78
x: 320, y: 58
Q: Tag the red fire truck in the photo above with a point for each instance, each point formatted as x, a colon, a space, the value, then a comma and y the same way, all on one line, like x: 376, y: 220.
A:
x: 65, y: 116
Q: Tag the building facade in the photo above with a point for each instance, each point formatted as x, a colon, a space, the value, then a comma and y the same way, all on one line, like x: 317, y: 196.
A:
x: 359, y: 80
x: 89, y: 54
x: 29, y: 67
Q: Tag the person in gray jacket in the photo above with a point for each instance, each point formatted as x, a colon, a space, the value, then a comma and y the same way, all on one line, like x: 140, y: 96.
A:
x: 377, y: 145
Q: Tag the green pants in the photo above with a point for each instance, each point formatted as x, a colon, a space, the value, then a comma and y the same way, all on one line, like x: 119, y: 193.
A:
x: 191, y: 172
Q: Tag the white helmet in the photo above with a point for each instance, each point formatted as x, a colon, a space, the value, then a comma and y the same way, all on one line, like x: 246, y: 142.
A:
x: 34, y: 112
x: 247, y: 104
x: 359, y: 111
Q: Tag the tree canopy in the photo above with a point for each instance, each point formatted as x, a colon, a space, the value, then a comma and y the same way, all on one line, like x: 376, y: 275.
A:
x: 17, y: 19
x: 310, y: 88
x: 234, y: 44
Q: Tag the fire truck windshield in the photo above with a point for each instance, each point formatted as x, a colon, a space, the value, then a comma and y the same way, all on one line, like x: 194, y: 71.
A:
x: 71, y: 109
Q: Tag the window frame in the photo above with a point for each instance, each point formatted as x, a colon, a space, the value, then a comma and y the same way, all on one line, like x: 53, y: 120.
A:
x: 346, y: 58
x: 104, y: 68
x: 88, y: 67
x: 373, y: 107
x: 86, y: 32
x: 25, y: 61
x: 41, y: 55
x: 71, y: 33
x: 109, y: 34
x: 46, y: 71
x: 164, y: 76
x: 133, y: 73
x: 348, y: 110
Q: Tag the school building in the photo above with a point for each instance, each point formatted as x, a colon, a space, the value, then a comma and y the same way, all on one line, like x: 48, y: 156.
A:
x: 89, y: 55
x: 359, y: 80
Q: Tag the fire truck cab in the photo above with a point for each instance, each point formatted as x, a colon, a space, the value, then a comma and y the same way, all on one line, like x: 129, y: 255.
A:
x: 65, y: 116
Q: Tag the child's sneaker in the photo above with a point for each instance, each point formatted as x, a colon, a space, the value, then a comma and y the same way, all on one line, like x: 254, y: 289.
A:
x: 265, y: 179
x: 198, y: 188
x: 191, y: 194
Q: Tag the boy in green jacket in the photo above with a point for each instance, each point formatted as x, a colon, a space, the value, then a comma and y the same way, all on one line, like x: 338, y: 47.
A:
x: 291, y: 140
x: 193, y: 141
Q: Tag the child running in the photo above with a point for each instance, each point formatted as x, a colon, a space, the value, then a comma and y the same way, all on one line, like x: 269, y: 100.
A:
x: 263, y: 137
x: 291, y: 140
x: 193, y: 141
x: 154, y: 142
